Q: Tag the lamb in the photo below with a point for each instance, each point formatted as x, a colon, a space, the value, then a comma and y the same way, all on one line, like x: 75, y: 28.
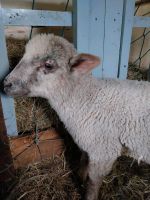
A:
x: 103, y: 116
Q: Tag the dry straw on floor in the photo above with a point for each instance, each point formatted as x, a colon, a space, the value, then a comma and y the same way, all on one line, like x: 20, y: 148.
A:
x: 47, y: 180
x: 51, y: 179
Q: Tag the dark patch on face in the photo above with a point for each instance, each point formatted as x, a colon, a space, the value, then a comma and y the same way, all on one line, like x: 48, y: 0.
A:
x: 47, y: 65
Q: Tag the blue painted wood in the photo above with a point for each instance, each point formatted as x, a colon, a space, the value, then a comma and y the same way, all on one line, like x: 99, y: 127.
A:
x: 127, y: 26
x: 88, y: 23
x: 7, y: 103
x: 81, y: 26
x: 9, y: 115
x: 26, y: 17
x: 96, y: 31
x: 112, y: 36
x: 4, y: 64
x: 141, y: 21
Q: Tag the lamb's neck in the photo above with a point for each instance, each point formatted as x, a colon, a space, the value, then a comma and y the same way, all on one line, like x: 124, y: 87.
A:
x: 68, y: 101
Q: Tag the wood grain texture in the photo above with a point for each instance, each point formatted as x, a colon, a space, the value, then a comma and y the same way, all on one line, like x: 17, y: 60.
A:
x: 25, y: 151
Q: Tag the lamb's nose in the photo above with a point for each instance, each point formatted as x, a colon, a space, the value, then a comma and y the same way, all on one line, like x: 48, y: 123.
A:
x: 8, y: 85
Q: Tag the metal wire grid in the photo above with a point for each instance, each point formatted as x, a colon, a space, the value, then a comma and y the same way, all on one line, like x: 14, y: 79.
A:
x: 145, y: 34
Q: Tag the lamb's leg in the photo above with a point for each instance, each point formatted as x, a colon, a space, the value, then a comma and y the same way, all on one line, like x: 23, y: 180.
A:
x: 97, y: 171
x: 94, y: 182
x: 83, y: 167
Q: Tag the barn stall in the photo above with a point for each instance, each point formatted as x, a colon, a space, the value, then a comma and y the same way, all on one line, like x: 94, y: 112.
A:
x: 33, y: 140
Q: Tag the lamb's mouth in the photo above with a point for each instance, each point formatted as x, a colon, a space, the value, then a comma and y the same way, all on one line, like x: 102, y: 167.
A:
x: 16, y: 93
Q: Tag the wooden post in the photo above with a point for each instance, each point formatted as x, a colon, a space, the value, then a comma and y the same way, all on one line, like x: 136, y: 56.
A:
x: 127, y: 25
x: 6, y: 164
x: 88, y: 23
x: 7, y: 103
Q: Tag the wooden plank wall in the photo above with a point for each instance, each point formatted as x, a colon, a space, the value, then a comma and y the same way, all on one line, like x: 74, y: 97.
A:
x: 97, y: 30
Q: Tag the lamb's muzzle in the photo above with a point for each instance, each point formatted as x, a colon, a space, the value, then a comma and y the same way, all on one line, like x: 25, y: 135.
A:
x: 15, y: 87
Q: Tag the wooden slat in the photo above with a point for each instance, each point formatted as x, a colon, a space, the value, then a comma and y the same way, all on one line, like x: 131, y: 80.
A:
x: 81, y: 26
x: 4, y: 64
x: 26, y: 17
x: 96, y: 31
x: 127, y: 26
x: 9, y: 114
x: 112, y: 37
x: 7, y: 103
x: 6, y: 164
x: 25, y: 151
x: 141, y: 21
x: 88, y: 23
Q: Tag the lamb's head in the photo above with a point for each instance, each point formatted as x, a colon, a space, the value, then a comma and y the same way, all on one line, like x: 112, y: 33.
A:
x: 48, y: 62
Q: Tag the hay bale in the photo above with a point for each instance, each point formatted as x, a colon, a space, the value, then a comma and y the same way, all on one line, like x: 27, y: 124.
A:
x: 15, y: 49
x: 31, y: 112
x: 49, y: 179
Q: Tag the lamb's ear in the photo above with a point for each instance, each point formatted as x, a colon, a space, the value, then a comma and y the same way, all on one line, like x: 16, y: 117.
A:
x: 84, y: 63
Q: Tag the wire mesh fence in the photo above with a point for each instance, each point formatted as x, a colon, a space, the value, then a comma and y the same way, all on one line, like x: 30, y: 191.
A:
x: 139, y: 62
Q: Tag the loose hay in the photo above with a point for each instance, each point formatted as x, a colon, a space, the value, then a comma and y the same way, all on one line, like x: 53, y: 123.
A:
x: 15, y: 50
x: 49, y: 179
x: 127, y: 181
x: 34, y: 112
x: 135, y: 73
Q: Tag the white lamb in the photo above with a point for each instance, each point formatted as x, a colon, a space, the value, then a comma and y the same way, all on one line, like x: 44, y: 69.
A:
x: 102, y: 116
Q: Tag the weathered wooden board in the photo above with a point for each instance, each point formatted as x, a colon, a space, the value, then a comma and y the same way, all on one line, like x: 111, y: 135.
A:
x: 7, y: 103
x: 141, y: 21
x: 25, y: 151
x: 88, y: 23
x: 126, y: 34
x: 26, y: 17
x: 6, y: 164
x: 112, y: 37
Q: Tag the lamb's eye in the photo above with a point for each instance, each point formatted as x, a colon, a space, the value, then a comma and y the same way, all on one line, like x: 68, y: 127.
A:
x: 48, y: 65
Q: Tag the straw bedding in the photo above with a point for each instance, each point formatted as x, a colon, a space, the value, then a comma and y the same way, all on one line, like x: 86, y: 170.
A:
x: 53, y: 179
